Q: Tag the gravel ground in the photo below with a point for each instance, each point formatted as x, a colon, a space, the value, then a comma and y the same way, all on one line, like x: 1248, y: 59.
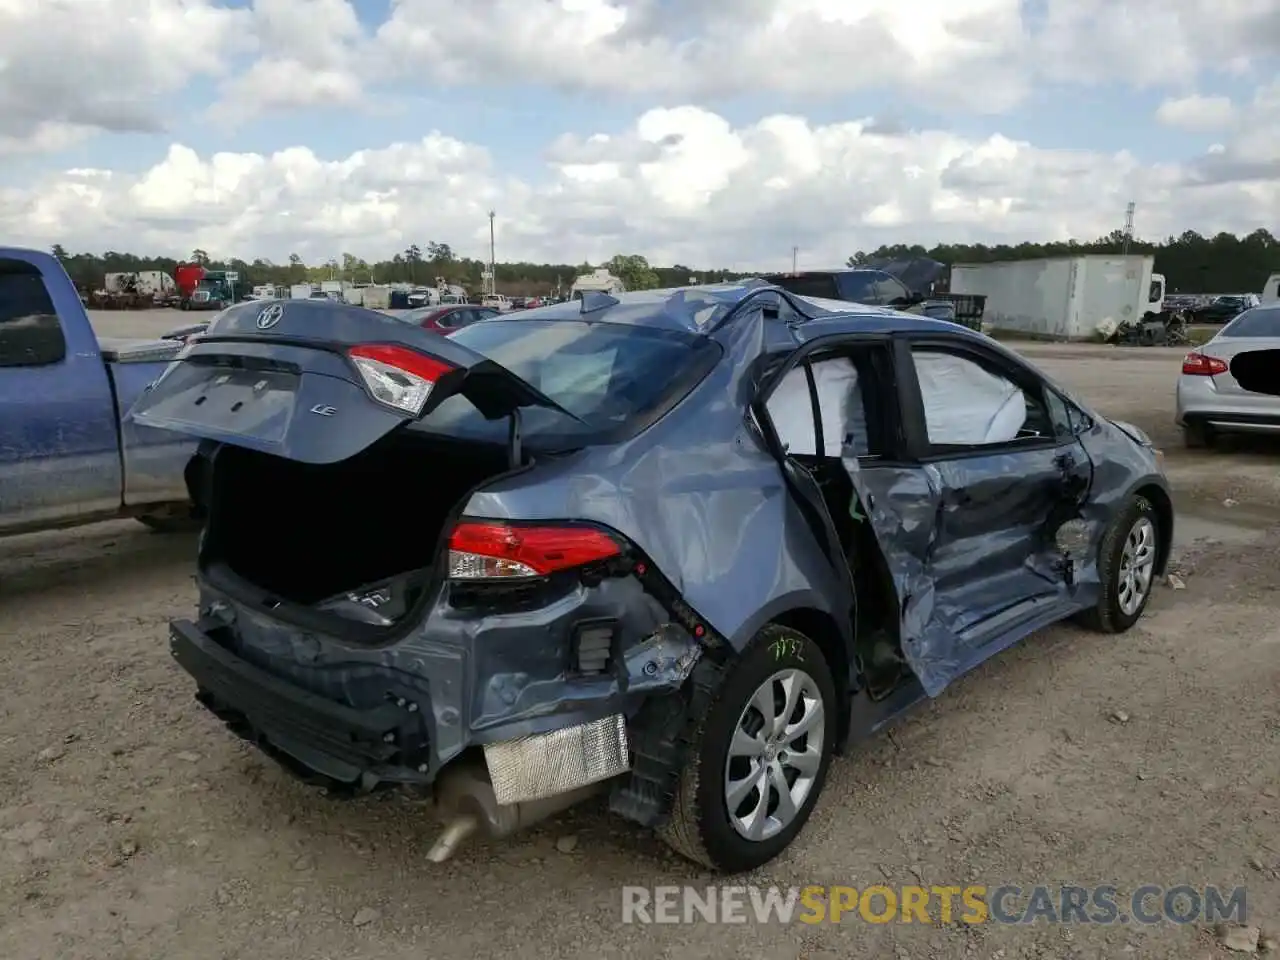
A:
x: 132, y: 825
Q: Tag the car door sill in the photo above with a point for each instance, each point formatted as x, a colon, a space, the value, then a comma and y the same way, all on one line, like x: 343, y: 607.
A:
x: 1009, y: 626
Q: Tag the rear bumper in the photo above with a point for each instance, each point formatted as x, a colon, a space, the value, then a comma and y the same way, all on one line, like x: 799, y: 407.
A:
x: 1201, y: 404
x: 319, y: 740
x: 356, y: 720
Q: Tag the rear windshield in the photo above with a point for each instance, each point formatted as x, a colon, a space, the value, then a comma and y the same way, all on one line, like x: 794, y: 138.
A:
x: 1257, y: 322
x: 614, y: 378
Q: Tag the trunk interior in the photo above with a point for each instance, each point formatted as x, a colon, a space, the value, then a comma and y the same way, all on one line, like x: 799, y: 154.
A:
x: 306, y: 533
x: 1258, y: 371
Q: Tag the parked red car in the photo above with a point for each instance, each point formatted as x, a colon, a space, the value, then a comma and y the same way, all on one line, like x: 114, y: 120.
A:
x: 447, y: 319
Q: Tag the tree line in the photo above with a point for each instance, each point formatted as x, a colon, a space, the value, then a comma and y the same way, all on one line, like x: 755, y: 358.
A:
x: 419, y: 265
x: 1191, y: 262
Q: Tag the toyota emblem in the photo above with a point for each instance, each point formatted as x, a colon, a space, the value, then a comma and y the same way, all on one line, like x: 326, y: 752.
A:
x: 269, y: 317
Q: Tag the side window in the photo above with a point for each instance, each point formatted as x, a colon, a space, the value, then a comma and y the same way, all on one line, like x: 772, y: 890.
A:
x: 1059, y: 415
x: 858, y: 286
x: 30, y: 335
x: 888, y: 289
x: 842, y: 407
x: 790, y: 408
x: 967, y: 404
x: 850, y: 414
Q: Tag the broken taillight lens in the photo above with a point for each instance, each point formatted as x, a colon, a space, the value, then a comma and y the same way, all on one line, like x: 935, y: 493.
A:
x: 1202, y: 365
x: 397, y: 376
x: 496, y: 551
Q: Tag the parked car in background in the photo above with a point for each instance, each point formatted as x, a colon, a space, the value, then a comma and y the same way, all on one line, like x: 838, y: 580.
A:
x: 447, y: 319
x: 67, y: 456
x: 1231, y: 384
x: 880, y: 287
x: 1225, y: 308
x: 874, y: 288
x: 496, y: 301
x: 677, y: 545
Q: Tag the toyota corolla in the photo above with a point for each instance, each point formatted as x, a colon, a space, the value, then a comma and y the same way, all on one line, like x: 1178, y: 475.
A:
x: 681, y: 546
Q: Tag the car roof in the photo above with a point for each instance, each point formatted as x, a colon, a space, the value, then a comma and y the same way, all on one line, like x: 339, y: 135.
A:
x: 700, y: 309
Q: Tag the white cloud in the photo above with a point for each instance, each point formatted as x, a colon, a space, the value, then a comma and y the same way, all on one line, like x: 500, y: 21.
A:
x: 680, y: 185
x: 70, y: 67
x: 309, y: 54
x: 983, y: 55
x: 1196, y: 113
x: 84, y: 65
x: 708, y: 49
x: 1251, y: 155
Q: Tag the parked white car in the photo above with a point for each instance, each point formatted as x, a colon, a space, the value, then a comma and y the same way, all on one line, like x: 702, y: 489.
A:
x: 496, y: 301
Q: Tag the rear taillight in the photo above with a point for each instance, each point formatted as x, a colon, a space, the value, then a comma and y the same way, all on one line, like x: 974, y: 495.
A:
x: 1202, y: 365
x: 397, y: 376
x: 494, y: 551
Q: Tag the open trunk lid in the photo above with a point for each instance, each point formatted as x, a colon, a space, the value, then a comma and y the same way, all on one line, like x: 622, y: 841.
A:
x: 317, y: 382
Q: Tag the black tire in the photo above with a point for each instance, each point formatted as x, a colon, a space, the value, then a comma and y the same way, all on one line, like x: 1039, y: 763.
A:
x: 699, y: 827
x: 1108, y: 616
x: 1196, y: 436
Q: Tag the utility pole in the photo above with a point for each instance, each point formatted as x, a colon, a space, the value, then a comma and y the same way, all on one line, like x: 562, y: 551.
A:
x: 1128, y: 225
x: 493, y: 276
x: 795, y: 251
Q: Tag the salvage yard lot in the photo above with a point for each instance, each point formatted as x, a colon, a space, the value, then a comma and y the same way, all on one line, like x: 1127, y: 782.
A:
x: 132, y: 825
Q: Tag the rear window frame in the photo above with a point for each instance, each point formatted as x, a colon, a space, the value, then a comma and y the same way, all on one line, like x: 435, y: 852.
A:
x: 705, y: 354
x: 1264, y: 308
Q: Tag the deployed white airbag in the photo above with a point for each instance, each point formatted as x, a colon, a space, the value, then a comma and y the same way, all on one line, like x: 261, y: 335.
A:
x: 839, y: 402
x: 965, y: 404
x: 791, y: 410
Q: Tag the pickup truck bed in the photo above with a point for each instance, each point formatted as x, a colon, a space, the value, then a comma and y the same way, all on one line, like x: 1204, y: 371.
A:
x: 66, y: 455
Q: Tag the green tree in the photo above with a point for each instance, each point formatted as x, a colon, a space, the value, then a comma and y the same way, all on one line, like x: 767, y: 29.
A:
x: 634, y: 271
x: 1193, y: 263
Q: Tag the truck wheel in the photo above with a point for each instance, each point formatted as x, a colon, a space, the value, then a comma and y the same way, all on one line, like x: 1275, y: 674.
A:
x: 759, y: 756
x: 1126, y: 568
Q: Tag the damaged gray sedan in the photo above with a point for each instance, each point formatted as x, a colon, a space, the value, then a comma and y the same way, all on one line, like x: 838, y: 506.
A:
x: 679, y: 547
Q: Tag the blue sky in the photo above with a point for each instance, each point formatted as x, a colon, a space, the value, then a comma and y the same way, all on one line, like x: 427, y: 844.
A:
x: 1078, y: 82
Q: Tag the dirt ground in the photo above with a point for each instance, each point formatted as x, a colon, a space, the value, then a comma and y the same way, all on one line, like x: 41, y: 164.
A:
x: 133, y: 826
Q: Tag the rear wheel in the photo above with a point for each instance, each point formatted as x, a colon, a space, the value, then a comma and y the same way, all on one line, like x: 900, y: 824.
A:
x: 1126, y: 567
x: 758, y: 758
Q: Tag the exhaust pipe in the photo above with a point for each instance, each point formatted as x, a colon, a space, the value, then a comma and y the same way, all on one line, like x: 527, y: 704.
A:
x: 465, y: 798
